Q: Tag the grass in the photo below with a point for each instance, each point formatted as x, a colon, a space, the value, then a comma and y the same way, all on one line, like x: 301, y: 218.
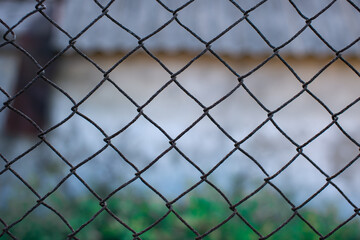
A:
x: 265, y: 212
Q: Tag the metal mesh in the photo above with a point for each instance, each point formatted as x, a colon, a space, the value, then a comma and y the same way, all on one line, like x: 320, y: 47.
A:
x: 42, y: 68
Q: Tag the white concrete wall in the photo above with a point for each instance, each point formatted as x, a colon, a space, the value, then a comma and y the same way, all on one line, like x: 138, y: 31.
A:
x: 208, y: 80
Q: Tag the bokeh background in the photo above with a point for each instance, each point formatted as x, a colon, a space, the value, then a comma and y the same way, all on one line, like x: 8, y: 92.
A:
x: 86, y: 44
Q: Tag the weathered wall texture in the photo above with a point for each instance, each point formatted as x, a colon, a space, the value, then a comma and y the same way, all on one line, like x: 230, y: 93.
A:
x: 208, y: 80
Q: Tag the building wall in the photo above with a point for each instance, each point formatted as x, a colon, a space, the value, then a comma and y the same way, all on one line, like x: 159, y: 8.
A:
x: 173, y: 110
x: 208, y: 80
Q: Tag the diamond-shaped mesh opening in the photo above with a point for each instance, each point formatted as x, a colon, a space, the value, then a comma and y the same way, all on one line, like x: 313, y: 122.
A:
x: 141, y: 133
x: 241, y: 119
x: 140, y: 16
x: 350, y: 228
x: 124, y: 113
x: 237, y: 176
x: 210, y: 87
x: 288, y: 22
x: 186, y: 119
x: 262, y: 207
x: 104, y: 226
x: 207, y: 154
x: 177, y: 230
x: 136, y: 210
x: 102, y: 178
x: 14, y: 204
x: 128, y: 77
x: 172, y: 175
x: 273, y: 156
x: 180, y: 39
x: 86, y: 41
x: 203, y: 22
x: 237, y: 228
x: 44, y: 220
x: 173, y: 103
x: 332, y: 83
x: 76, y: 209
x: 51, y: 168
x: 302, y: 123
x: 203, y: 213
x: 304, y: 42
x: 326, y: 217
x: 301, y: 174
x: 312, y: 10
x: 86, y: 141
x: 351, y: 15
x: 340, y: 150
x: 273, y: 88
x: 90, y: 12
x: 297, y: 228
x: 85, y: 76
x: 346, y: 178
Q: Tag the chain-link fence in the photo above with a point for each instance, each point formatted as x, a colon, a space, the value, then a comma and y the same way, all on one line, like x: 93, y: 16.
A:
x: 26, y: 112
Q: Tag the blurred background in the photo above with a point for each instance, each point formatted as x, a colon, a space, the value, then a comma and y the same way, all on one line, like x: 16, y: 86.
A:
x: 142, y: 48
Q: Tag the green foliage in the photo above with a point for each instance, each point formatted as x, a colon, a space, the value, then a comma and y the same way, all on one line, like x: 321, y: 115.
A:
x: 265, y: 212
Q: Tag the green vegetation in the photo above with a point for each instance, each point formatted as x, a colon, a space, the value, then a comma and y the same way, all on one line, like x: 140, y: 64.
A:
x: 265, y: 212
